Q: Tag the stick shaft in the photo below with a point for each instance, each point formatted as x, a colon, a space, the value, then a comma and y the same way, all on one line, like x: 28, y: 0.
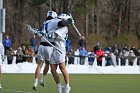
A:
x: 76, y: 29
x: 52, y: 45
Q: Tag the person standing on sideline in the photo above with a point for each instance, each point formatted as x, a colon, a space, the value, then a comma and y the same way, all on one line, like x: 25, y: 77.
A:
x: 10, y: 55
x: 1, y: 60
x: 82, y: 53
x: 33, y: 43
x: 29, y: 54
x: 7, y: 43
x: 100, y: 54
x: 82, y: 42
x: 19, y: 55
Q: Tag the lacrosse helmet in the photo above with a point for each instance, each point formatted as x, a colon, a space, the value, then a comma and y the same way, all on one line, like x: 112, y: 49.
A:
x: 52, y: 14
x: 64, y: 16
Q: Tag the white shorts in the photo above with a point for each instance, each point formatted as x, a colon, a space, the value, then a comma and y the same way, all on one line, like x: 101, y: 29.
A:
x: 57, y: 57
x: 44, y: 53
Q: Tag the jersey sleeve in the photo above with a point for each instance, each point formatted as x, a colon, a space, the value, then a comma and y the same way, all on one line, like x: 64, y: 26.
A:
x: 62, y: 33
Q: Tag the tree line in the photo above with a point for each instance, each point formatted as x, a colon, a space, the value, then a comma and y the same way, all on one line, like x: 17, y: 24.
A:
x: 104, y: 18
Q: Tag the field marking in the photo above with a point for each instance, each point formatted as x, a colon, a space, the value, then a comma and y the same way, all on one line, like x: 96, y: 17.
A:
x: 18, y: 91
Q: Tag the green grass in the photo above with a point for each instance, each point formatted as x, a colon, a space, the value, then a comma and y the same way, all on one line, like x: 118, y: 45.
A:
x: 80, y: 83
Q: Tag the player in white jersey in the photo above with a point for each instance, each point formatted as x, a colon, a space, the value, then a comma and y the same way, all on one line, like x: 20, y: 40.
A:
x: 54, y: 25
x: 58, y: 58
x: 1, y: 60
x: 44, y: 50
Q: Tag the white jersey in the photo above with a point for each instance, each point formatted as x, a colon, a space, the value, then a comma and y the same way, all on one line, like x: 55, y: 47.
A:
x: 60, y: 41
x: 49, y: 27
x: 61, y: 34
x: 1, y: 52
x: 44, y: 51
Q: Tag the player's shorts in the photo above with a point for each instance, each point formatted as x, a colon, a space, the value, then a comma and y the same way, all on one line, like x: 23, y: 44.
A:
x: 44, y: 53
x: 57, y: 57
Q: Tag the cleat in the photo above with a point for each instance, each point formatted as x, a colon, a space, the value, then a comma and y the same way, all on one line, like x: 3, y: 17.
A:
x: 42, y: 84
x: 59, y: 89
x: 67, y: 89
x: 34, y: 88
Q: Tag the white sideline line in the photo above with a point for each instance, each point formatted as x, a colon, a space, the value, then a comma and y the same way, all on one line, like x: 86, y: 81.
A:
x: 17, y: 91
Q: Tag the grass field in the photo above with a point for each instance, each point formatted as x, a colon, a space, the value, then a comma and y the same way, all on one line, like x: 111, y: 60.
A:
x: 80, y: 83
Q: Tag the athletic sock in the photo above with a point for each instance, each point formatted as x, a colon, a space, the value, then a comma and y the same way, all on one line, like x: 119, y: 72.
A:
x: 35, y: 82
x: 67, y: 85
x: 59, y: 85
x: 43, y: 78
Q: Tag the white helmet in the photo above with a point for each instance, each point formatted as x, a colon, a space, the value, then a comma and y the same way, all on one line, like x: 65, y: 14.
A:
x: 65, y: 16
x: 52, y: 14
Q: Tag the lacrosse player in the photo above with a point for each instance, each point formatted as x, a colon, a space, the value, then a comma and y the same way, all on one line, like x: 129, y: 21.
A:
x: 58, y: 34
x: 45, y: 49
x: 1, y: 60
x: 58, y: 58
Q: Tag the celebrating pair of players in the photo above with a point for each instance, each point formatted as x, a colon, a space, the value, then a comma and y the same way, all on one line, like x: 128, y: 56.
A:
x: 51, y: 50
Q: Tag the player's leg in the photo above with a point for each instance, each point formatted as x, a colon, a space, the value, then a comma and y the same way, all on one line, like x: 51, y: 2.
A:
x: 47, y: 52
x: 37, y: 73
x: 45, y: 71
x: 66, y: 77
x: 56, y: 77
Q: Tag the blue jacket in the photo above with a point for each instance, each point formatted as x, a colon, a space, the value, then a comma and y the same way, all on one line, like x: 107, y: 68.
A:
x: 83, y: 52
x: 7, y: 42
x: 68, y: 45
x: 33, y: 42
x: 91, y: 58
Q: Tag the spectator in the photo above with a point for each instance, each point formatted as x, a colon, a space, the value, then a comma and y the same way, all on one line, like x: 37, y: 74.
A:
x: 108, y: 56
x: 82, y: 53
x: 71, y: 57
x: 29, y: 53
x: 116, y: 50
x: 82, y: 42
x: 91, y: 58
x: 126, y: 48
x: 68, y: 45
x: 10, y: 54
x: 33, y: 43
x: 100, y: 53
x: 123, y: 55
x: 23, y: 50
x: 69, y: 51
x: 19, y: 55
x: 131, y: 57
x: 7, y: 43
x: 134, y: 50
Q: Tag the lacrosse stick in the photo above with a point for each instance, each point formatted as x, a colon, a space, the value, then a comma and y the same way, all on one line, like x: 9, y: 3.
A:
x: 52, y: 44
x: 76, y: 30
x: 30, y: 29
x: 75, y: 26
